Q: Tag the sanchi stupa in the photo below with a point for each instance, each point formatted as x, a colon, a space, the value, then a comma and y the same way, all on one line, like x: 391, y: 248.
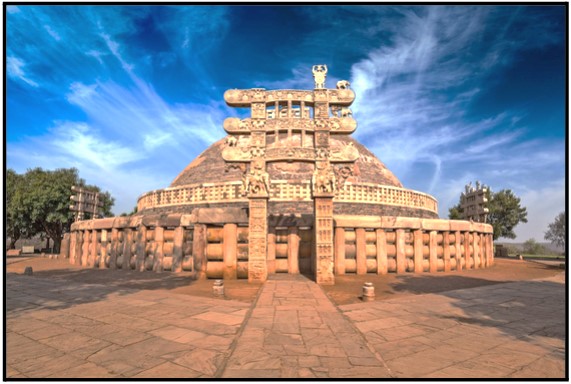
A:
x: 287, y: 191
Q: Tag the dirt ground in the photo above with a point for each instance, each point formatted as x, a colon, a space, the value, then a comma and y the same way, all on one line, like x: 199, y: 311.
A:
x: 347, y: 289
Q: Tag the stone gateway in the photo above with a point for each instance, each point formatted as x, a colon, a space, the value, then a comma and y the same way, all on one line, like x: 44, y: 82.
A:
x: 287, y: 191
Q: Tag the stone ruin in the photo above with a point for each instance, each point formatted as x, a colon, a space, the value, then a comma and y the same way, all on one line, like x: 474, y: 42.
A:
x: 287, y: 191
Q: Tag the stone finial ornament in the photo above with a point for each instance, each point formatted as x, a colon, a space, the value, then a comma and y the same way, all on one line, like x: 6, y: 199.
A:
x: 319, y: 74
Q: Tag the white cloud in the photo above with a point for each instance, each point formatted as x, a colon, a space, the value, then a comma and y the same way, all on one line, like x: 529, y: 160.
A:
x: 15, y: 69
x: 52, y: 33
x: 80, y: 142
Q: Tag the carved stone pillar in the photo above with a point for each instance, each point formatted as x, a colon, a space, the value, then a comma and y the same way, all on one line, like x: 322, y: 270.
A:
x: 361, y: 251
x: 433, y: 252
x: 418, y: 246
x: 230, y: 250
x: 93, y: 246
x: 141, y: 248
x: 458, y: 246
x: 324, y: 240
x: 400, y: 256
x: 467, y: 254
x: 114, y: 248
x: 382, y: 263
x: 103, y: 248
x: 271, y: 259
x: 198, y: 248
x: 257, y: 245
x: 72, y: 246
x: 339, y: 251
x: 293, y: 250
x: 159, y: 255
x: 127, y: 242
x: 446, y: 246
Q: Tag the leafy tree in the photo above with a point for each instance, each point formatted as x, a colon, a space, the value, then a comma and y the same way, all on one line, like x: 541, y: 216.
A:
x: 505, y: 212
x: 556, y: 231
x: 455, y: 212
x: 532, y: 247
x: 18, y: 224
x: 43, y: 202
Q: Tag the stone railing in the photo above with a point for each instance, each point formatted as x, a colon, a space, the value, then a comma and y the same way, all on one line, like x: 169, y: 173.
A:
x: 283, y: 190
x: 396, y: 244
x: 213, y: 243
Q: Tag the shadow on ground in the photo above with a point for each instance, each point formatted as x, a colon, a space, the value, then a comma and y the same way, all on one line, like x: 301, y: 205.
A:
x: 66, y: 286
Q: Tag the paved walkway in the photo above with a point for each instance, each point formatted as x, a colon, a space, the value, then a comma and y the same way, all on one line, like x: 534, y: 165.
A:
x: 514, y: 330
x: 295, y: 331
x: 58, y: 329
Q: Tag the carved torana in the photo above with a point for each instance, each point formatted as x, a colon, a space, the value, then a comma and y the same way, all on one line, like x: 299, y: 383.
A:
x: 283, y: 115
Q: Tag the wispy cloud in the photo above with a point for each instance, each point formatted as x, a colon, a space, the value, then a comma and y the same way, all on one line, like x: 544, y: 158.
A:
x: 15, y: 69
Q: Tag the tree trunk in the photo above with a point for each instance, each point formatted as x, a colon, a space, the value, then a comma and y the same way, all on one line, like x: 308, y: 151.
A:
x: 57, y: 245
x: 12, y: 244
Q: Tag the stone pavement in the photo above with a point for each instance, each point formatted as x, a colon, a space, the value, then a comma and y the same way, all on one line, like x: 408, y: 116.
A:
x: 295, y: 331
x: 512, y: 330
x: 57, y: 329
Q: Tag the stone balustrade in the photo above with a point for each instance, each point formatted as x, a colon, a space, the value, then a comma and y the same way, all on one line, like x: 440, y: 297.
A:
x: 213, y: 243
x: 283, y: 190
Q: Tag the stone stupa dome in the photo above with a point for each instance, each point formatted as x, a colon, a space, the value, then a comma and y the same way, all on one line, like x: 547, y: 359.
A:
x: 208, y: 171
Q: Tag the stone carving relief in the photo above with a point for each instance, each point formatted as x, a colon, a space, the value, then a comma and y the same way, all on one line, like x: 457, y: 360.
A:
x: 257, y: 181
x: 319, y: 74
x: 321, y: 153
x: 257, y: 152
x: 348, y: 154
x: 345, y: 112
x: 343, y: 84
x: 236, y: 153
x: 290, y: 153
x: 323, y: 179
x: 342, y: 173
x: 231, y: 141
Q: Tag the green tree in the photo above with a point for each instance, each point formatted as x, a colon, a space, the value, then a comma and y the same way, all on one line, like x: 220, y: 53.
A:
x: 43, y: 201
x: 556, y: 231
x: 505, y: 212
x: 455, y: 212
x: 18, y: 223
x: 532, y: 247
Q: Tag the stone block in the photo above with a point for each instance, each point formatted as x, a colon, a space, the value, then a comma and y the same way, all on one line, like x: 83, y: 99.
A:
x: 189, y: 220
x: 13, y: 252
x: 28, y: 249
x: 106, y: 223
x: 121, y: 222
x: 354, y: 221
x: 400, y: 222
x: 222, y: 215
x: 459, y: 225
x: 135, y: 221
x: 435, y: 225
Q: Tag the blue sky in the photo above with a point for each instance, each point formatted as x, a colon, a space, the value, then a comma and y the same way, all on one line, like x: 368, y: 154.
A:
x: 445, y: 94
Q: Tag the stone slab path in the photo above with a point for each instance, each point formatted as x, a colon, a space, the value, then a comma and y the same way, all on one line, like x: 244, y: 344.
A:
x: 58, y: 329
x: 61, y: 329
x: 295, y: 331
x: 512, y: 330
